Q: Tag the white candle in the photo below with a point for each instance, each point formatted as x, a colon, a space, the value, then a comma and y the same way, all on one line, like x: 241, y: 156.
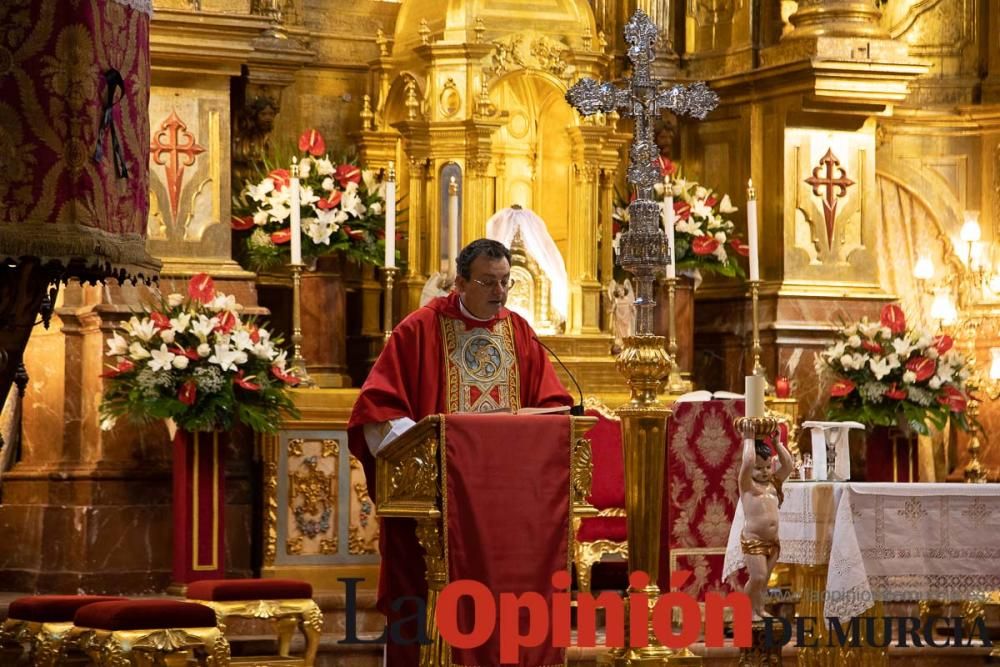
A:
x: 754, y: 395
x: 390, y: 218
x: 452, y: 225
x: 669, y: 224
x: 296, y: 215
x: 752, y: 231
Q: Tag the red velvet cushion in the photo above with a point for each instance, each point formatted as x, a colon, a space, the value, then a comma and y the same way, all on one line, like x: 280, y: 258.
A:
x: 602, y: 528
x: 608, y: 484
x: 224, y: 590
x: 144, y: 615
x: 52, y: 608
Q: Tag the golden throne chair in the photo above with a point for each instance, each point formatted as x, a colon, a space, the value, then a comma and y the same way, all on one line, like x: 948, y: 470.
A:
x: 603, y: 535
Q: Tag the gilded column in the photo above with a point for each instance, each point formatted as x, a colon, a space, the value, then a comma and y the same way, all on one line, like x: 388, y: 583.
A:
x: 837, y: 18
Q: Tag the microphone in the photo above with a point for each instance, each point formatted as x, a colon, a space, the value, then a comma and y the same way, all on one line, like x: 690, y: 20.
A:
x: 576, y: 410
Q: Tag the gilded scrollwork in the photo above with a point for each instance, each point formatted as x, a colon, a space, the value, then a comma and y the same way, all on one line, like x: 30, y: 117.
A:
x: 416, y: 477
x: 312, y: 496
x: 532, y: 52
x: 583, y: 469
x: 270, y: 502
x: 363, y: 531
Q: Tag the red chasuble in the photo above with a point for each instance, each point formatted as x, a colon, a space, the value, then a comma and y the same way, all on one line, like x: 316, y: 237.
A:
x: 440, y: 361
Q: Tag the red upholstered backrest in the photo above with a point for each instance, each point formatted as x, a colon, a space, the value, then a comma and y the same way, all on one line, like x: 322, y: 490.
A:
x: 227, y: 590
x: 608, y: 485
x: 700, y: 491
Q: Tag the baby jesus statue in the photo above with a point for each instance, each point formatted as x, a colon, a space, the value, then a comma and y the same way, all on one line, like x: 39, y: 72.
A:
x: 760, y: 494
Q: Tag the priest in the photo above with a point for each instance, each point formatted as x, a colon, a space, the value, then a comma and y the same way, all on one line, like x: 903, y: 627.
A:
x: 461, y: 353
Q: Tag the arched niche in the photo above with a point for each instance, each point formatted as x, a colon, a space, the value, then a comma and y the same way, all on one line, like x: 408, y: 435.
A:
x: 535, y: 149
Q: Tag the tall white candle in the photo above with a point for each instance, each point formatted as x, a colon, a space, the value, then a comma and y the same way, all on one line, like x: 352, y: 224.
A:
x: 390, y: 218
x: 754, y: 395
x: 296, y: 229
x: 452, y: 225
x: 752, y: 231
x: 669, y: 224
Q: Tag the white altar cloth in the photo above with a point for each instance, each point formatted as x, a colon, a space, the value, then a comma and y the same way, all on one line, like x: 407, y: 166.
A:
x: 888, y: 541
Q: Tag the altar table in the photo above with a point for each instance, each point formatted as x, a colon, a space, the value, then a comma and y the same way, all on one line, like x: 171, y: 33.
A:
x: 886, y: 541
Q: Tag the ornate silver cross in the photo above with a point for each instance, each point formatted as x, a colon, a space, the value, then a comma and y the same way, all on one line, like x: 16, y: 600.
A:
x: 643, y: 245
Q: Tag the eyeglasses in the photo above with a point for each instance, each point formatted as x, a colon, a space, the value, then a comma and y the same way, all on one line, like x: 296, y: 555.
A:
x: 505, y: 284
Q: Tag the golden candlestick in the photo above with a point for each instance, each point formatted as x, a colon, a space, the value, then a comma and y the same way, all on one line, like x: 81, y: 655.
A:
x: 756, y: 428
x: 389, y: 278
x: 298, y: 361
x: 675, y: 383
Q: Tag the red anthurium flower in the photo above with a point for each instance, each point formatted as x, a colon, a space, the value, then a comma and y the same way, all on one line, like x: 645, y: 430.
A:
x: 124, y: 366
x: 740, y: 247
x: 667, y: 166
x: 287, y: 378
x: 312, y: 142
x: 922, y: 367
x: 281, y: 236
x: 245, y: 382
x: 226, y: 322
x: 353, y: 233
x: 160, y: 321
x: 841, y: 388
x: 952, y: 398
x: 711, y: 201
x: 347, y: 173
x: 871, y: 346
x: 943, y: 343
x: 190, y: 353
x: 188, y: 393
x: 201, y: 288
x: 893, y: 317
x: 895, y: 393
x: 704, y: 245
x: 281, y: 178
x: 242, y: 224
x: 330, y: 202
x: 682, y: 209
x: 254, y: 334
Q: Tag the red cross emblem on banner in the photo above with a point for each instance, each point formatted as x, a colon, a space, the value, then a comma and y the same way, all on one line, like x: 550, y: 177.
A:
x: 174, y: 148
x: 831, y: 182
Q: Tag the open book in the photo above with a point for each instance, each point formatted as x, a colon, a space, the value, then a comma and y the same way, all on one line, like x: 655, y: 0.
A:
x: 702, y: 395
x: 529, y: 411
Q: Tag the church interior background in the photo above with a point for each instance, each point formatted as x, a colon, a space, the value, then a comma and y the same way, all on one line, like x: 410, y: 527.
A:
x: 870, y: 130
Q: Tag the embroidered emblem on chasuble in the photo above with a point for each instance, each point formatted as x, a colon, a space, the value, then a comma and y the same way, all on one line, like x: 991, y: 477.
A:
x: 481, y: 367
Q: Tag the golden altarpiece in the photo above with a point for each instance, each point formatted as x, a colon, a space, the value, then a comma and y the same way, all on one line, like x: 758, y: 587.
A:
x: 869, y: 130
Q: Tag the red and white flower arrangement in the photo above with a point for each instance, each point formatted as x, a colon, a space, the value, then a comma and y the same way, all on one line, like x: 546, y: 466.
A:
x: 197, y: 360
x: 704, y: 236
x: 884, y: 374
x: 341, y: 205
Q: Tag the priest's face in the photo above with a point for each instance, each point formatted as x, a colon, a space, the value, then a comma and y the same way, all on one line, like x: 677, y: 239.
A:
x: 484, y: 293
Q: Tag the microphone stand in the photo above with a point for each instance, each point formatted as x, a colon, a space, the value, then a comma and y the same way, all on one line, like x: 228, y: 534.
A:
x: 576, y: 410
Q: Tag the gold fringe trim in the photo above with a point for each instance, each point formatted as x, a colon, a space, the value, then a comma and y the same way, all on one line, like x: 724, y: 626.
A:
x: 82, y: 252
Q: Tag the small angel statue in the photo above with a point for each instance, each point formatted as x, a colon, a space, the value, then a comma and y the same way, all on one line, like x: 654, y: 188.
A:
x: 622, y: 312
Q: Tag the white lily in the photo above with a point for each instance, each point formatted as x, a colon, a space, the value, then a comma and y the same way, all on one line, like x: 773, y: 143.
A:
x: 259, y: 192
x: 222, y: 302
x: 137, y: 351
x: 144, y: 330
x: 324, y: 167
x: 241, y: 340
x: 162, y: 359
x: 117, y: 346
x: 227, y: 358
x: 180, y: 323
x: 203, y: 327
x: 880, y: 368
x: 726, y: 205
